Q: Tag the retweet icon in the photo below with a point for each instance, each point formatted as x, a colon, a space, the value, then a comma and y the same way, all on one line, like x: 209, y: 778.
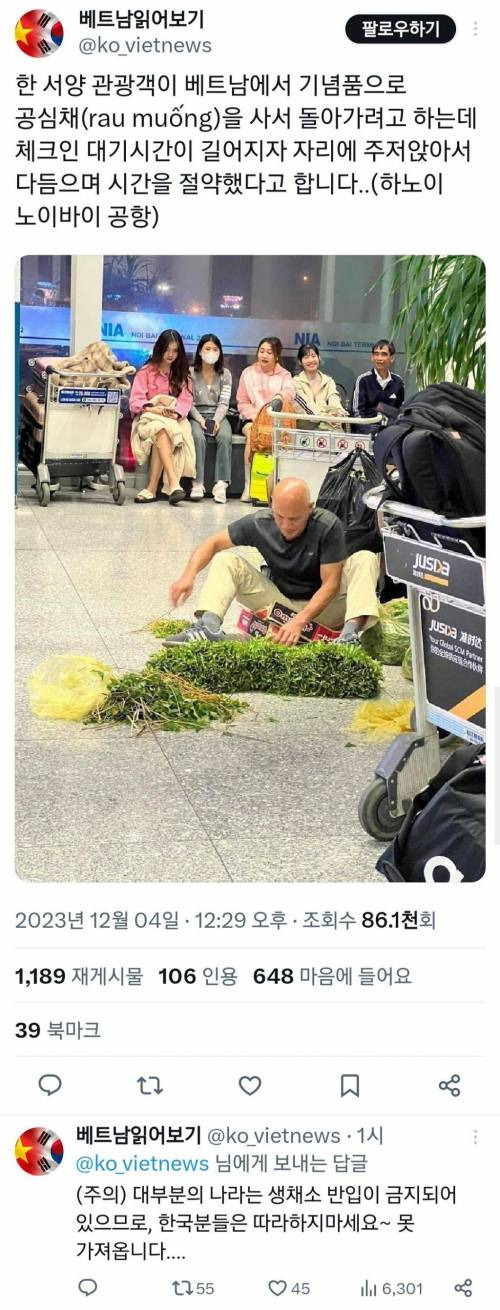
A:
x: 38, y: 33
x: 38, y: 1151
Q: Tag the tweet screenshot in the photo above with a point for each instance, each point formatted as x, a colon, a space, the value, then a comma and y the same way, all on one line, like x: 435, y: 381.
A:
x: 250, y: 901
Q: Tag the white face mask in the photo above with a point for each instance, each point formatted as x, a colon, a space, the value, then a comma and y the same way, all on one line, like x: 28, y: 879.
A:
x: 210, y: 356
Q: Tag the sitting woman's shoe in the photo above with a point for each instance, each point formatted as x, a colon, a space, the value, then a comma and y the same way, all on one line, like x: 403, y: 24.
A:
x: 145, y: 497
x: 176, y: 495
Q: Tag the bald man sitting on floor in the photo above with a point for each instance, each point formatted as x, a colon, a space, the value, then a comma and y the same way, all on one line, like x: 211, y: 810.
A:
x: 307, y: 571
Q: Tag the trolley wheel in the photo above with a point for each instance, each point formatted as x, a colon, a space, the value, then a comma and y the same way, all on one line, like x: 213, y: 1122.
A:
x: 445, y: 738
x: 43, y: 493
x: 118, y: 493
x: 374, y: 814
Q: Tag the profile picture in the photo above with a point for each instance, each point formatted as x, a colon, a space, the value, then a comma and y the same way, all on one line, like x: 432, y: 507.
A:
x: 38, y: 1151
x: 38, y: 33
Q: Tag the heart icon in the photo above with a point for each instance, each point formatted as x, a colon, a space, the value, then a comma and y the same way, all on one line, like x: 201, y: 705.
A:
x: 250, y: 1085
x: 277, y: 1287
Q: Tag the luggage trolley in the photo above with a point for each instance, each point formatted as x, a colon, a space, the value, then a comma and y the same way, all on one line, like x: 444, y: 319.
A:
x: 301, y: 439
x: 69, y: 427
x: 446, y: 606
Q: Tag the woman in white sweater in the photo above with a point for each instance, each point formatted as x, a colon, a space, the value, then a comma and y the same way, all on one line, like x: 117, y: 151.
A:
x: 316, y: 390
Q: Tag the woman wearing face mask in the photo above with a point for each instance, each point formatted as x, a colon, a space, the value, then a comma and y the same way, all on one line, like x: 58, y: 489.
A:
x: 260, y: 383
x: 211, y: 384
x: 159, y: 402
x: 317, y: 390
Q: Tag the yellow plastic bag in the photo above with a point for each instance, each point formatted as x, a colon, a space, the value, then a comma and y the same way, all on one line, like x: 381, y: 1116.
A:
x: 68, y: 686
x: 380, y: 720
x: 262, y: 466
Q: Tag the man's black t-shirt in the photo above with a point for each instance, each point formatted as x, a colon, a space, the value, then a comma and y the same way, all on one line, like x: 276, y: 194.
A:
x: 294, y: 564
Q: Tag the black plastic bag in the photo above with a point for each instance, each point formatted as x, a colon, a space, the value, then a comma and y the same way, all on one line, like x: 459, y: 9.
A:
x: 342, y: 492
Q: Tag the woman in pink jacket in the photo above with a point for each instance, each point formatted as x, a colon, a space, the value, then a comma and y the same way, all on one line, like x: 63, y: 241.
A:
x: 259, y: 384
x: 166, y: 374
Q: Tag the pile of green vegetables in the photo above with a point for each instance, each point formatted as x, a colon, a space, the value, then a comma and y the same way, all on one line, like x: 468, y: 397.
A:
x: 163, y: 628
x: 153, y: 699
x: 194, y: 685
x: 389, y: 639
x: 317, y: 669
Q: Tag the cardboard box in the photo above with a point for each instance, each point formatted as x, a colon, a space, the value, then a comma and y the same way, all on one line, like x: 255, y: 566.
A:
x: 246, y: 617
x: 258, y: 625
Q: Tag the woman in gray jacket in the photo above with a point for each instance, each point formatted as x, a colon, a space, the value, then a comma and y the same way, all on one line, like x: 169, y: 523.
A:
x: 211, y: 396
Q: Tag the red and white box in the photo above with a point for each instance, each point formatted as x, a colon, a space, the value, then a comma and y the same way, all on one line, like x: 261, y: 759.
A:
x: 259, y: 624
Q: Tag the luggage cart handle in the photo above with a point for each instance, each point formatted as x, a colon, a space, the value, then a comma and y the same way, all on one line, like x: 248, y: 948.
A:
x: 285, y: 416
x: 401, y: 510
x: 67, y: 374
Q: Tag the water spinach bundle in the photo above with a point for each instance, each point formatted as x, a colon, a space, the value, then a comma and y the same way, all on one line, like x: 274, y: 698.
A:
x: 322, y: 669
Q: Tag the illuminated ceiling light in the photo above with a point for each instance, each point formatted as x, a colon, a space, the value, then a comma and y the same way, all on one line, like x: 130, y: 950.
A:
x: 231, y: 302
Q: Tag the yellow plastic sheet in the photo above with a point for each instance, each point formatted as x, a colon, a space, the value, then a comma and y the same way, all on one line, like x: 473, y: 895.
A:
x: 381, y: 720
x: 68, y: 686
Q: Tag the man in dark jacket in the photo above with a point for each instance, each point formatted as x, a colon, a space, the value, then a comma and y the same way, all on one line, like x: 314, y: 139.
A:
x: 379, y: 385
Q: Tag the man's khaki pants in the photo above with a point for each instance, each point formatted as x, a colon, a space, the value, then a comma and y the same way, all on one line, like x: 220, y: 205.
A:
x: 230, y: 577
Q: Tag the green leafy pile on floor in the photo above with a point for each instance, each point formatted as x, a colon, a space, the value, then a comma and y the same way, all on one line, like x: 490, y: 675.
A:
x: 163, y: 628
x: 194, y: 685
x: 156, y: 699
x: 389, y: 639
x: 317, y: 669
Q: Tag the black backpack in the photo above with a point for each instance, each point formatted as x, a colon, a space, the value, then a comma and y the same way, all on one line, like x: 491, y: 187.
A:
x: 442, y: 837
x: 436, y: 470
x: 342, y: 492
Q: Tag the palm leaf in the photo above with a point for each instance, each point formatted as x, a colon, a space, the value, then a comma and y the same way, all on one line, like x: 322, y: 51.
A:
x: 442, y: 316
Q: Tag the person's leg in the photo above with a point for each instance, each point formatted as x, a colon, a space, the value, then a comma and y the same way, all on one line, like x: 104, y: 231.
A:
x: 247, y: 462
x: 162, y: 442
x: 223, y: 456
x: 362, y: 608
x: 164, y: 450
x: 333, y: 615
x: 148, y: 493
x: 200, y: 448
x: 229, y: 578
x: 155, y: 468
x: 183, y: 456
x: 362, y: 572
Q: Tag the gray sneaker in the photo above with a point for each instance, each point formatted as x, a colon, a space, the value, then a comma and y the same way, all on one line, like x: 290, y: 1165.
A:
x: 200, y: 630
x: 349, y: 635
